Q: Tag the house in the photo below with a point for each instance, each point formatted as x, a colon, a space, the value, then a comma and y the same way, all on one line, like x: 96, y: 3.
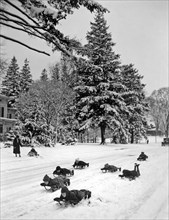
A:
x: 7, y: 115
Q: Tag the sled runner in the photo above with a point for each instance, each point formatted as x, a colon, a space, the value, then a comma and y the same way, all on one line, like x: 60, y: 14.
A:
x: 50, y: 188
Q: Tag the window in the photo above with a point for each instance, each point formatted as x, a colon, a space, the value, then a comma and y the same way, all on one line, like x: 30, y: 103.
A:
x: 1, y: 111
x: 9, y: 115
x: 8, y: 129
x: 1, y: 129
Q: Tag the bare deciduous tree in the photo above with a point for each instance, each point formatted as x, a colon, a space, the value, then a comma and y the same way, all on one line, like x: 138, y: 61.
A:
x: 159, y: 109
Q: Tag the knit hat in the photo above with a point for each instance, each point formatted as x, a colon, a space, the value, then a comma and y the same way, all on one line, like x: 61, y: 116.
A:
x: 46, y: 178
x: 64, y: 190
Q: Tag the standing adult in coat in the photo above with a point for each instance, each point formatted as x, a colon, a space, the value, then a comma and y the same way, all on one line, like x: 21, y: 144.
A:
x: 16, y: 146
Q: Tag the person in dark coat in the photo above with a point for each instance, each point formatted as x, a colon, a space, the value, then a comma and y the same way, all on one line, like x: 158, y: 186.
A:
x: 33, y: 153
x: 142, y: 156
x: 16, y: 146
x: 72, y: 196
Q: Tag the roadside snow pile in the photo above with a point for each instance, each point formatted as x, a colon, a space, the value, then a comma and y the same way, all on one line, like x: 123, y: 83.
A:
x: 147, y: 197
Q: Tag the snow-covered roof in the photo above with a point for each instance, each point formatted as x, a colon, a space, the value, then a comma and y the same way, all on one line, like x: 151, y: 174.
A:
x: 7, y: 119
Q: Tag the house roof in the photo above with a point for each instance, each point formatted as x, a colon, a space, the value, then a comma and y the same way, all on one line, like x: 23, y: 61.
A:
x: 7, y: 119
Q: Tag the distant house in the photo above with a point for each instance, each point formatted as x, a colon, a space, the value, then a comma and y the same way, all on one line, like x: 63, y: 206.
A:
x: 151, y: 130
x: 7, y: 115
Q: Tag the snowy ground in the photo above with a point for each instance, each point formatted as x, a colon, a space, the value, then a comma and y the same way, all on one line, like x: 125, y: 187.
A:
x: 145, y: 198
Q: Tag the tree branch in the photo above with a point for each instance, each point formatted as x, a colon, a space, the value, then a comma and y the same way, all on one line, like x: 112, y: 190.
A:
x: 13, y: 15
x: 21, y: 12
x: 16, y: 41
x: 23, y: 24
x: 20, y: 29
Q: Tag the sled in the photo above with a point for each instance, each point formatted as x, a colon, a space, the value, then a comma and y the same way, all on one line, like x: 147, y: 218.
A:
x: 141, y: 159
x: 63, y: 172
x: 110, y: 168
x: 30, y: 154
x: 49, y: 188
x: 84, y: 194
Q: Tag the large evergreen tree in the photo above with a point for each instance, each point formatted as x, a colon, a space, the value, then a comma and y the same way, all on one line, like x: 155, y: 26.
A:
x: 3, y: 63
x: 26, y: 77
x: 11, y: 82
x: 99, y: 98
x: 55, y: 72
x: 44, y: 75
x: 135, y: 101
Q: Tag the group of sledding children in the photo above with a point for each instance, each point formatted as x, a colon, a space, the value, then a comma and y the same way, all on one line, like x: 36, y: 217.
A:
x: 73, y: 197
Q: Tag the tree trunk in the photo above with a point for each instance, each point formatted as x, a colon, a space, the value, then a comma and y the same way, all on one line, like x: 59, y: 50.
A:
x: 102, y: 129
x: 87, y: 136
x: 81, y: 137
x: 167, y: 126
x: 132, y: 136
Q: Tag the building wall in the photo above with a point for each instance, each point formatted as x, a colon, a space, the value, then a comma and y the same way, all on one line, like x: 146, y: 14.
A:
x: 3, y: 105
x: 11, y: 113
x: 7, y: 116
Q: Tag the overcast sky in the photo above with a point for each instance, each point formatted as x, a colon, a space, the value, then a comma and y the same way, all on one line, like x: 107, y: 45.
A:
x: 138, y: 27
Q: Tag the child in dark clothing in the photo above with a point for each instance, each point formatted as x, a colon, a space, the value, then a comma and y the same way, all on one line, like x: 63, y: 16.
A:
x: 56, y: 183
x: 72, y: 196
x: 142, y: 156
x: 33, y: 153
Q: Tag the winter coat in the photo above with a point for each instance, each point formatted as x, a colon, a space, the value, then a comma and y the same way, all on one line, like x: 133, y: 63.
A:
x: 81, y: 164
x: 142, y: 156
x: 32, y: 153
x: 16, y: 145
x: 57, y: 181
x: 74, y: 196
x: 63, y: 171
x: 110, y: 168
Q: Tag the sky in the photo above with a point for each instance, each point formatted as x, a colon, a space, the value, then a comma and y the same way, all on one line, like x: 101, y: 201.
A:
x: 138, y: 27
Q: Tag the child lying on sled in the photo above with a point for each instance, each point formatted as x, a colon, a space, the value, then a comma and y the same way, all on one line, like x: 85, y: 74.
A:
x: 55, y: 183
x: 142, y: 156
x: 72, y: 197
x: 33, y: 153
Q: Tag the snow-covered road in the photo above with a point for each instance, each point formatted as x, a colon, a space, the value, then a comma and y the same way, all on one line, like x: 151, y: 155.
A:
x: 147, y: 197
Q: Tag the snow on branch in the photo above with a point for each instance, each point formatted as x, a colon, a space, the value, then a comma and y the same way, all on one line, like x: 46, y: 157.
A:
x: 45, y: 15
x: 86, y: 124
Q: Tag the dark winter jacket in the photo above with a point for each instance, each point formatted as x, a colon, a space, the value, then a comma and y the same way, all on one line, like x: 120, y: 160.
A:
x: 80, y: 164
x: 110, y: 168
x: 16, y: 145
x: 63, y: 171
x: 142, y: 156
x: 58, y: 182
x: 73, y: 196
x: 33, y: 152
